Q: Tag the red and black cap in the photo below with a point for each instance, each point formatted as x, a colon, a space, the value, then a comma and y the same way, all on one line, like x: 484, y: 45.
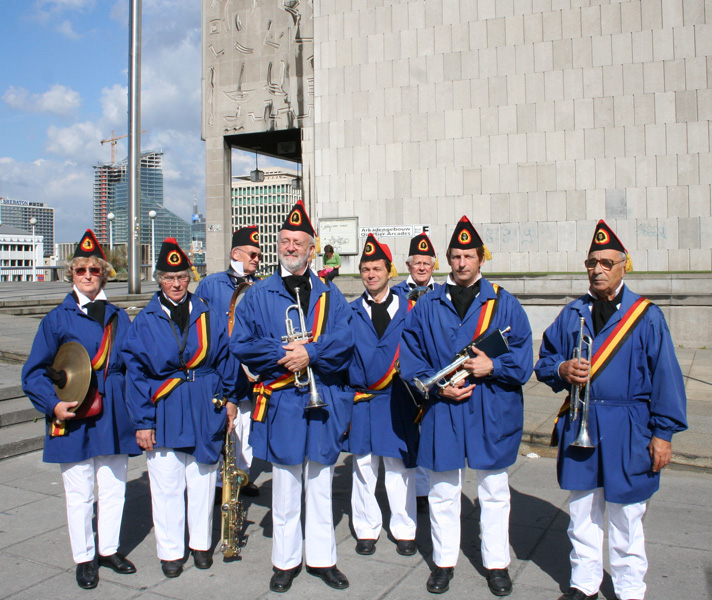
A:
x: 89, y: 246
x: 246, y: 236
x: 605, y: 239
x: 171, y: 259
x: 374, y: 250
x: 297, y: 220
x: 422, y: 245
x: 465, y: 237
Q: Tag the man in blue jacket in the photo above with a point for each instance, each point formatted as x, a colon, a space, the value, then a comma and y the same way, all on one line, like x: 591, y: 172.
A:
x: 301, y: 440
x: 420, y: 262
x: 220, y: 291
x: 478, y: 421
x: 383, y: 423
x: 636, y: 403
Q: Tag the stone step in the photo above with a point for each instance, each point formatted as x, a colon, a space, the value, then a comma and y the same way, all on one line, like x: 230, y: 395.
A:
x: 11, y: 392
x: 17, y: 410
x: 22, y: 438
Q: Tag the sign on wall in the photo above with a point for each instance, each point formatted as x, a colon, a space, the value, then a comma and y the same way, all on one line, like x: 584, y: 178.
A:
x: 341, y: 234
x: 393, y: 231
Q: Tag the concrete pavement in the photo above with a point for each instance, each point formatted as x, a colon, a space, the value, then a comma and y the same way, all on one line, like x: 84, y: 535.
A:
x: 35, y: 557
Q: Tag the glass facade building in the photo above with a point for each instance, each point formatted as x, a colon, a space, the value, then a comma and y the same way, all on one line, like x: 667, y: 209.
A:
x: 111, y: 195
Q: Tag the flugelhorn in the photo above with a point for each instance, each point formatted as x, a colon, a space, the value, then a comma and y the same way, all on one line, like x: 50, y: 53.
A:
x: 585, y: 347
x: 293, y: 335
x: 455, y: 372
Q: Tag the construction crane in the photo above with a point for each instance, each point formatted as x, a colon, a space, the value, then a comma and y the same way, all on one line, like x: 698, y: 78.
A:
x: 113, y: 140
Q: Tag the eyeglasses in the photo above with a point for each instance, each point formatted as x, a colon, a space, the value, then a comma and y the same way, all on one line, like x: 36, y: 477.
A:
x: 172, y: 279
x: 421, y: 265
x: 252, y: 255
x: 94, y: 271
x: 606, y: 263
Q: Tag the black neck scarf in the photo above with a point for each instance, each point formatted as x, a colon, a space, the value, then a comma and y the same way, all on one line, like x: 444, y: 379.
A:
x: 462, y: 297
x: 291, y: 282
x: 95, y: 309
x: 180, y: 313
x: 603, y: 310
x: 379, y: 314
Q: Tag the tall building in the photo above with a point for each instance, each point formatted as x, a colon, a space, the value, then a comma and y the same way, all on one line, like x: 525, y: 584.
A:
x: 534, y: 118
x: 111, y: 196
x: 265, y: 204
x: 17, y: 213
x: 197, y: 233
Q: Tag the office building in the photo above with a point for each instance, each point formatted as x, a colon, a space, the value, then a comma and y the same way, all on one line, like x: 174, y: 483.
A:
x: 17, y: 213
x: 265, y: 204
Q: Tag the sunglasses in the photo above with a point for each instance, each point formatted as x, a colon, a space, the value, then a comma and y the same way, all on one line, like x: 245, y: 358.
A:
x: 253, y: 255
x: 94, y: 271
x: 606, y: 263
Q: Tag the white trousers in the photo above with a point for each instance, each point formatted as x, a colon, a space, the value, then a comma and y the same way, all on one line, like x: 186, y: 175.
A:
x: 320, y: 547
x: 445, y: 503
x: 243, y: 450
x: 171, y: 473
x: 109, y: 474
x: 625, y: 540
x: 400, y: 487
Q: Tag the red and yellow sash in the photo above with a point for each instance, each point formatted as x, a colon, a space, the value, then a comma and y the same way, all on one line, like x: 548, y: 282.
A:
x: 196, y: 360
x: 610, y: 347
x: 262, y: 391
x: 383, y: 383
x: 100, y: 360
x: 487, y: 312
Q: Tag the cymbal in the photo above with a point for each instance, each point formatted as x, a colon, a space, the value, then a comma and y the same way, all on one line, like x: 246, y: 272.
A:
x: 73, y: 359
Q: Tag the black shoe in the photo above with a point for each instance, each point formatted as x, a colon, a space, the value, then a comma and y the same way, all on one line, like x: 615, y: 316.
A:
x: 365, y: 547
x: 406, y: 547
x: 439, y: 580
x: 87, y: 575
x: 202, y: 559
x: 576, y: 594
x: 422, y: 504
x: 250, y: 490
x: 118, y: 562
x: 172, y: 568
x: 499, y: 582
x: 282, y: 579
x: 331, y: 576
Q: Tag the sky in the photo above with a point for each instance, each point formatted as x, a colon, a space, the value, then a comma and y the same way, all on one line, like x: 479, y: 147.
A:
x: 64, y: 88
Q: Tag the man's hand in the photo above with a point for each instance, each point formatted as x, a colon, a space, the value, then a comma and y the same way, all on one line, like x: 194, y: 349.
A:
x: 660, y: 453
x: 480, y: 366
x: 458, y: 391
x: 297, y: 357
x: 146, y: 438
x: 63, y: 410
x: 231, y: 416
x: 575, y: 370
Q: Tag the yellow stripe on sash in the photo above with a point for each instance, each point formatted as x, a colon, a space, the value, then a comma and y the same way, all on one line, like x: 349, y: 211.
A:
x: 261, y: 394
x: 202, y: 351
x: 382, y: 383
x: 166, y: 388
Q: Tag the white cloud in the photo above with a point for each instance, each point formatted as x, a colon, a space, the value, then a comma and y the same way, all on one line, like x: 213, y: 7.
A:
x: 67, y: 30
x: 79, y: 142
x: 58, y: 100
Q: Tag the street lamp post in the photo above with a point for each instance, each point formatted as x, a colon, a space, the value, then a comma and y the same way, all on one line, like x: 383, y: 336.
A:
x: 110, y: 217
x: 33, y: 222
x: 152, y: 215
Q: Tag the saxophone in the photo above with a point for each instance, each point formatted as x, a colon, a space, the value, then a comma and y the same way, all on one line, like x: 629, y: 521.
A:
x: 232, y: 510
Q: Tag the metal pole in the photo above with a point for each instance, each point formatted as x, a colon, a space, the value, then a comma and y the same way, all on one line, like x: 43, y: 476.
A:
x: 34, y: 250
x: 134, y: 159
x: 152, y: 215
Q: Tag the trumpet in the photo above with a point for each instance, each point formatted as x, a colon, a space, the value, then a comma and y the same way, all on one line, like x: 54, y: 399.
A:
x: 293, y: 335
x: 455, y: 372
x: 583, y: 439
